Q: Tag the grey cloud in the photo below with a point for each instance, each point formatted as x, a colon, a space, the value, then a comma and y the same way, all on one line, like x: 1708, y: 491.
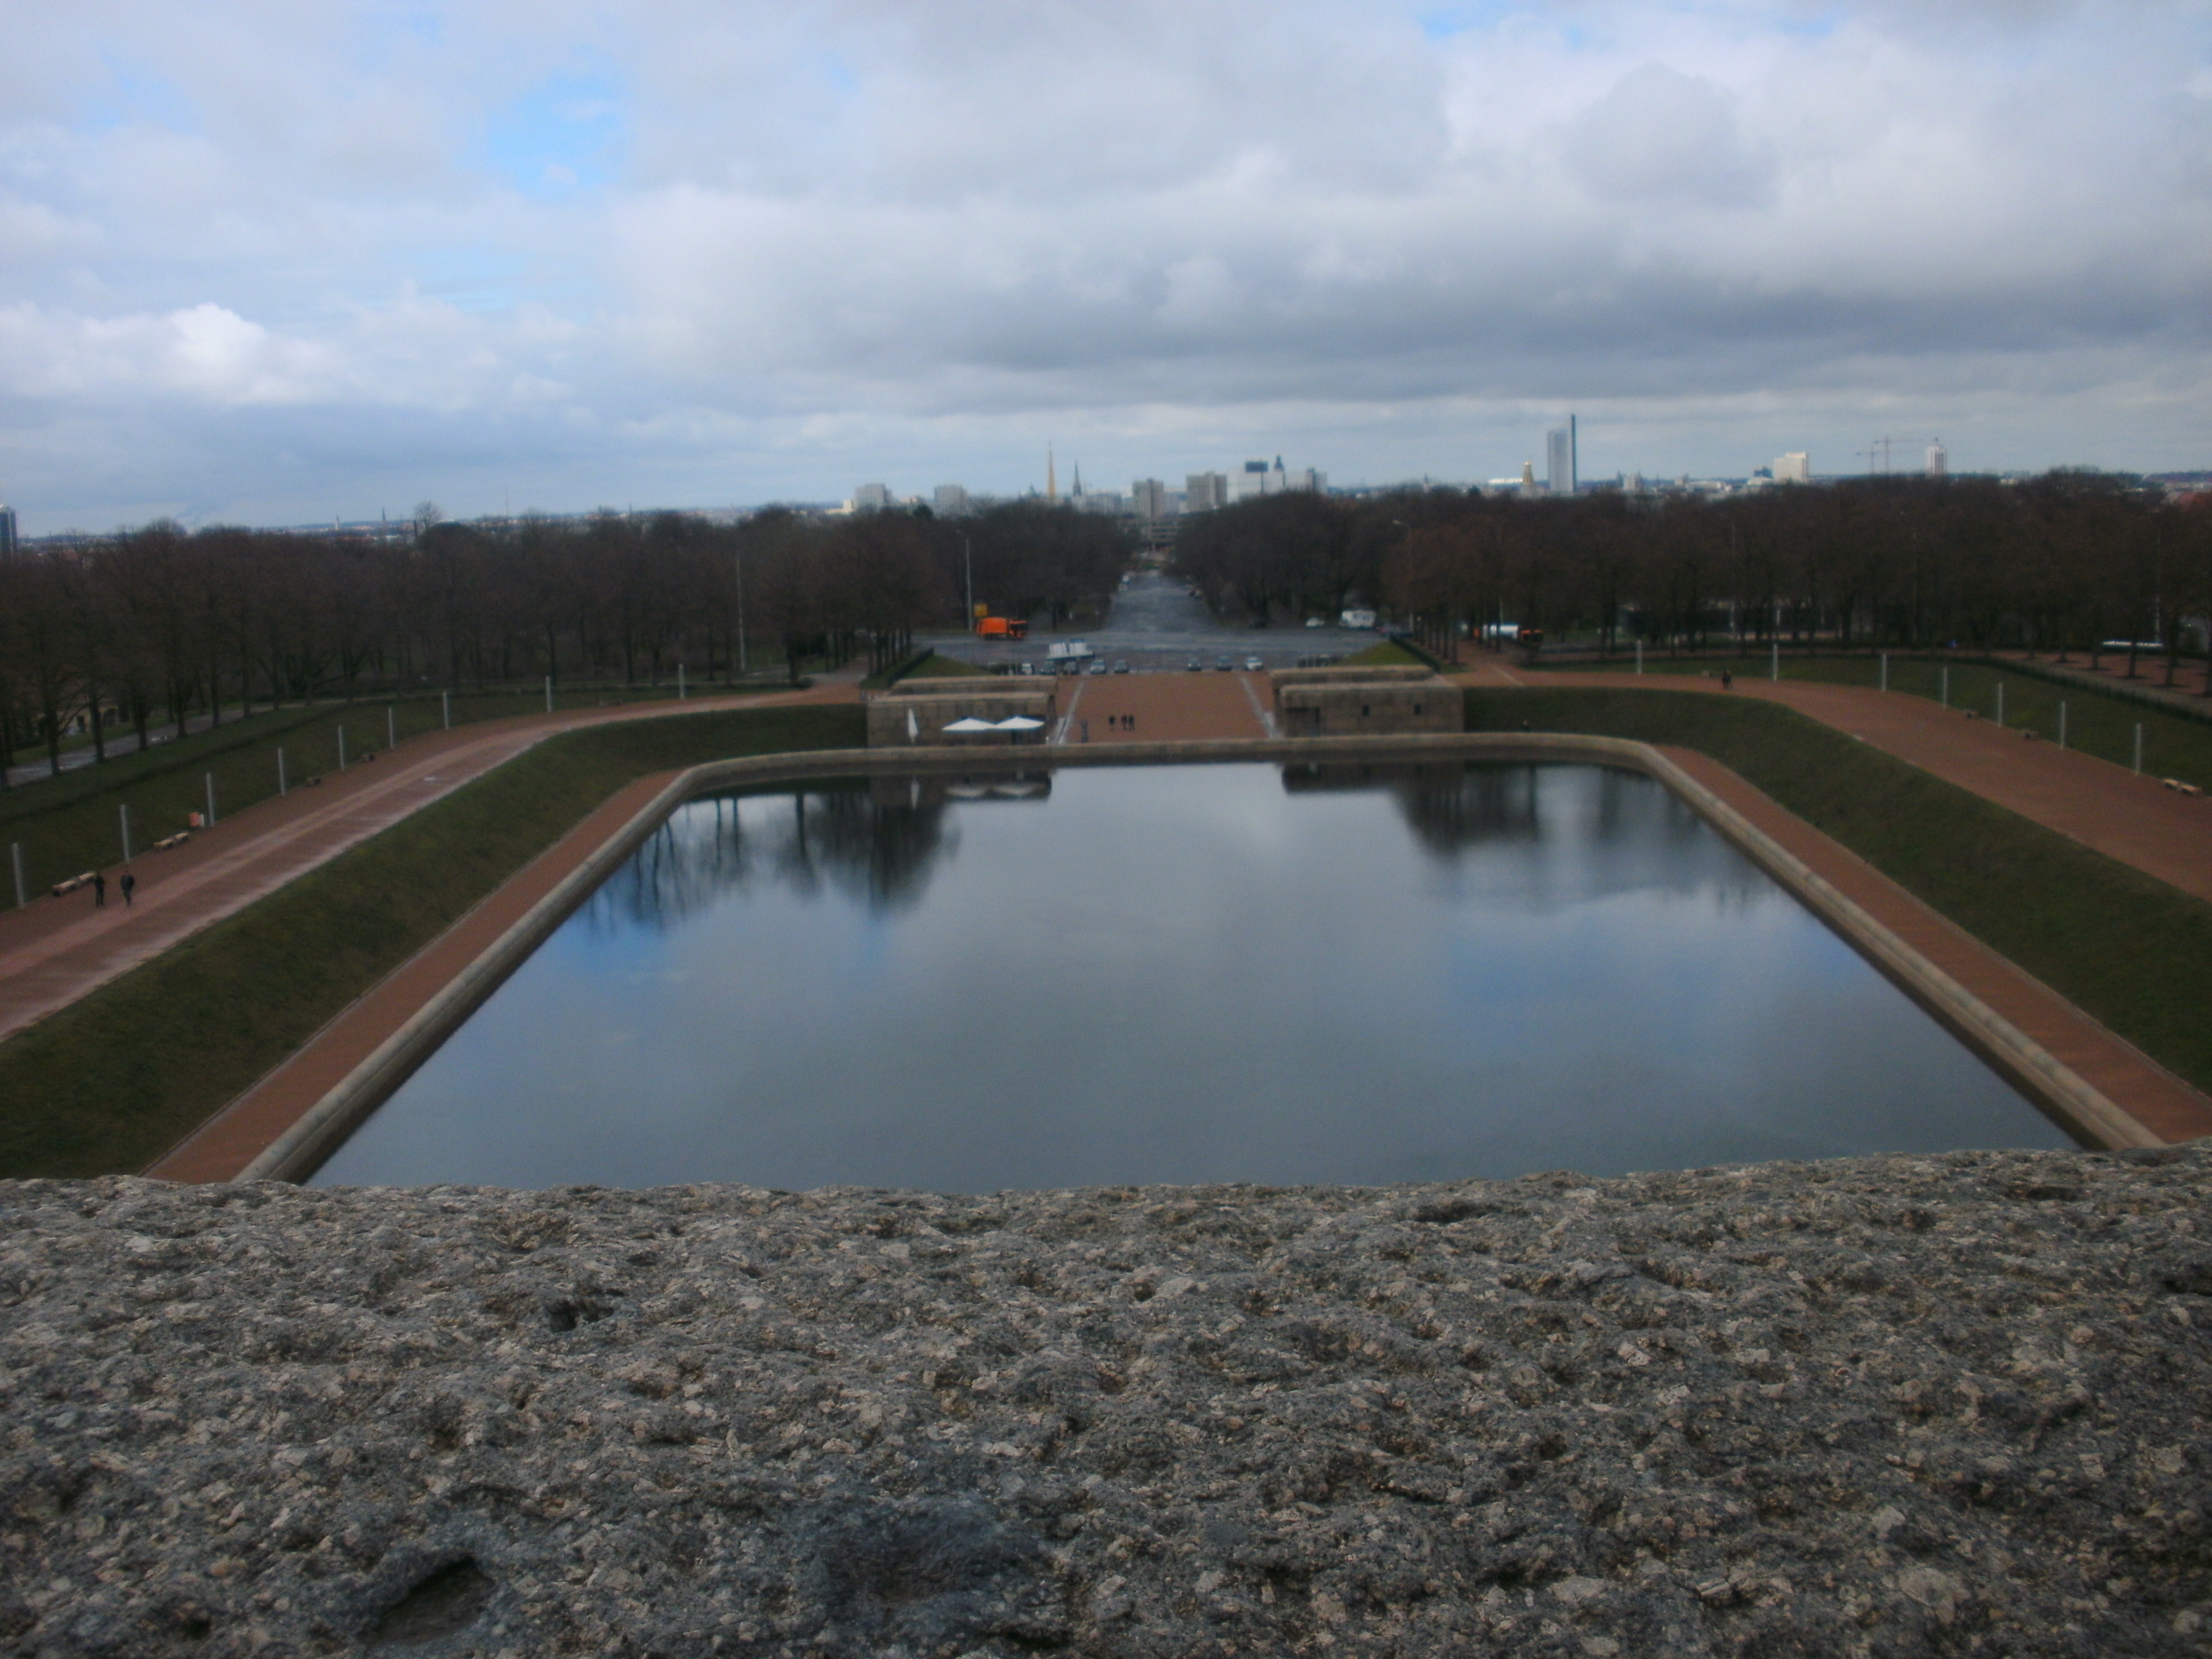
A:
x: 864, y: 224
x: 1670, y: 137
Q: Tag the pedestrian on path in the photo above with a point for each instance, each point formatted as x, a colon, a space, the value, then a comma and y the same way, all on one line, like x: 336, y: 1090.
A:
x: 99, y: 890
x: 130, y: 881
x: 1727, y: 680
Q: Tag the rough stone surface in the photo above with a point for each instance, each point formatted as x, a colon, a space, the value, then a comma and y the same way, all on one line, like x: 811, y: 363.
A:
x: 1946, y: 1405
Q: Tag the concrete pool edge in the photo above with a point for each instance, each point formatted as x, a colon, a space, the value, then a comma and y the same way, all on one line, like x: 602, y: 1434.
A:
x: 295, y: 1153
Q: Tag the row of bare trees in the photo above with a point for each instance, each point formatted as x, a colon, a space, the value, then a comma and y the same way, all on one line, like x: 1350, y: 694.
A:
x: 2059, y: 563
x: 149, y: 626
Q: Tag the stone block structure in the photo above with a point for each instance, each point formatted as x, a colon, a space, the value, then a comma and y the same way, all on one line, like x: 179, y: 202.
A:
x: 1364, y: 701
x: 915, y: 713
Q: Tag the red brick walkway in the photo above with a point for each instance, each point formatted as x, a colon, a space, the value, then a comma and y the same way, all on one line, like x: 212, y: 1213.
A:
x: 1167, y: 707
x: 58, y: 950
x: 2133, y: 819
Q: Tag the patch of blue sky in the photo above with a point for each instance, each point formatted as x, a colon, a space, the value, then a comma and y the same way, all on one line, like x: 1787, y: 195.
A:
x: 839, y: 76
x: 1443, y: 22
x: 132, y: 97
x: 564, y: 138
x: 483, y: 277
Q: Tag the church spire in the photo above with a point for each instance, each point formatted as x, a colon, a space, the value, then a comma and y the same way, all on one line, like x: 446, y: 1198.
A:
x: 1051, y: 475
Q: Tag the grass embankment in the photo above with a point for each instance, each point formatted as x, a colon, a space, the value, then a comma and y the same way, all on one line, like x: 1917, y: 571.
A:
x: 938, y: 666
x: 1387, y: 654
x: 109, y: 1083
x: 2097, y: 723
x: 71, y: 823
x: 2134, y: 952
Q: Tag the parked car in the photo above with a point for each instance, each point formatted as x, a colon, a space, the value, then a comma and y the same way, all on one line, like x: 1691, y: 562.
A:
x: 1098, y: 665
x: 1222, y: 663
x: 1195, y: 667
x: 1316, y: 622
x: 1120, y: 665
x: 1253, y: 664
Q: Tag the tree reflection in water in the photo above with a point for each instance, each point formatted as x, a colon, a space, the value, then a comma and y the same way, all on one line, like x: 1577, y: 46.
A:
x: 876, y: 839
x: 1449, y: 805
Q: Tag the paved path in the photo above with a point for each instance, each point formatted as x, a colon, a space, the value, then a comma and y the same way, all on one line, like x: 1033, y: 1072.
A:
x: 2133, y: 819
x: 1167, y: 707
x: 58, y: 950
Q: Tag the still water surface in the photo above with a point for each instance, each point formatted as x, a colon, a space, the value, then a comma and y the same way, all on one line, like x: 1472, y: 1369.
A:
x: 1183, y: 974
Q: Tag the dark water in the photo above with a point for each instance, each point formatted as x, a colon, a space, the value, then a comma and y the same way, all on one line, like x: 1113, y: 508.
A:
x: 1183, y: 974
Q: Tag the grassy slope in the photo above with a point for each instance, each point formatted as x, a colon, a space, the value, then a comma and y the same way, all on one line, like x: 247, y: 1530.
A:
x: 1387, y: 653
x: 69, y: 824
x: 2131, y: 950
x: 2173, y: 745
x: 112, y: 1082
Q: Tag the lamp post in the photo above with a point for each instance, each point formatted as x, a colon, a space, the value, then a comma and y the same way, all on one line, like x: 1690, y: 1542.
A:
x: 737, y: 565
x: 967, y: 564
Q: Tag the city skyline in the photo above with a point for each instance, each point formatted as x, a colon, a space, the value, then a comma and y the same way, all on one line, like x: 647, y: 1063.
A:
x: 276, y: 267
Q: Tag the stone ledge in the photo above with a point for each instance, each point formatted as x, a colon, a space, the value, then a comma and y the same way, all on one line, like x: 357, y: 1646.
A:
x: 1880, y: 1406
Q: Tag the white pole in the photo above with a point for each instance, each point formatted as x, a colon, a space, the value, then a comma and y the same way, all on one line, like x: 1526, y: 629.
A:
x: 283, y: 787
x: 211, y: 793
x: 680, y: 693
x: 548, y: 694
x: 739, y: 559
x: 2139, y: 748
x: 446, y: 698
x: 1639, y: 656
x: 391, y: 726
x: 1774, y: 665
x: 1947, y: 686
x: 2001, y: 705
x: 341, y: 748
x: 1885, y: 670
x: 125, y: 812
x: 2062, y: 726
x: 23, y: 891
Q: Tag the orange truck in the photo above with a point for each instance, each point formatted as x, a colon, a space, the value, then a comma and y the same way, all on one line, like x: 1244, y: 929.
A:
x: 1001, y: 628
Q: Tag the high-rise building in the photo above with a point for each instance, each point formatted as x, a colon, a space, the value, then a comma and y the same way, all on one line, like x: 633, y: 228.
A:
x: 1939, y: 460
x: 1148, y: 497
x: 1559, y: 460
x: 871, y: 497
x: 7, y: 534
x: 1796, y: 467
x: 1530, y: 488
x: 1249, y: 481
x: 1205, y: 491
x: 951, y: 501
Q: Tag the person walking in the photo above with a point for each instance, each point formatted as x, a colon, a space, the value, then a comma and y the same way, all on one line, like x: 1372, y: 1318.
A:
x: 127, y: 882
x: 1727, y: 680
x: 99, y: 890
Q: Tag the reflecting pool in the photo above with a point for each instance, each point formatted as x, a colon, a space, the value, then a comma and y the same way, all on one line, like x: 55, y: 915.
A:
x: 1183, y: 974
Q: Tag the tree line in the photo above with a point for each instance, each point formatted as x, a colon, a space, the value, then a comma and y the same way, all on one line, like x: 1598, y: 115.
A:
x: 2059, y: 563
x: 143, y: 629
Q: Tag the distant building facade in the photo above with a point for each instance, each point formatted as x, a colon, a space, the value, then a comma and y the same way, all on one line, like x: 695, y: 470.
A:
x: 1148, y: 498
x: 1796, y: 467
x: 1202, y: 492
x: 872, y: 497
x: 7, y: 535
x: 1559, y: 460
x: 1939, y: 460
x: 951, y: 501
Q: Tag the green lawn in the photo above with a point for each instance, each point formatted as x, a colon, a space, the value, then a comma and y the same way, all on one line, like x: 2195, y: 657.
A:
x: 112, y: 1082
x: 1386, y: 653
x: 2175, y: 746
x: 71, y: 823
x: 2128, y: 949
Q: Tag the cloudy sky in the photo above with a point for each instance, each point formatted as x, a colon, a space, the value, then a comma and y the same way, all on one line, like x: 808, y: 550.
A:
x: 267, y: 262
